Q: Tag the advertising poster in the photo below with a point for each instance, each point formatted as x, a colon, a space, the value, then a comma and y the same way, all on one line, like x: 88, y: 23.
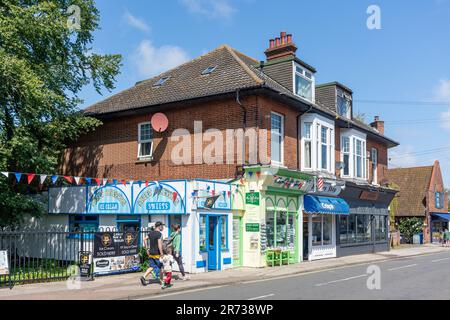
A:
x: 4, y: 265
x: 115, y: 252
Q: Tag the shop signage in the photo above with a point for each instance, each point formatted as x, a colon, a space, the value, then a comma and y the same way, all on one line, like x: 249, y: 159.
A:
x: 4, y: 265
x: 369, y: 195
x: 85, y: 264
x: 160, y: 198
x: 108, y: 199
x: 252, y: 227
x: 115, y: 252
x: 252, y: 198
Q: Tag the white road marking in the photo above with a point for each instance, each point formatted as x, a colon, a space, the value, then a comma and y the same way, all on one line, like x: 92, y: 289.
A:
x: 341, y: 280
x: 437, y: 260
x: 262, y: 297
x: 403, y: 267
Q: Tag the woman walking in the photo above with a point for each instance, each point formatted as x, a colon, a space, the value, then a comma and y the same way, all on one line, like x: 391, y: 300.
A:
x: 176, y: 243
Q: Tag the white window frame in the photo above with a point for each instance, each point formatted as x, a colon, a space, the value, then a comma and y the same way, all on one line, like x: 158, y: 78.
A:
x: 277, y: 163
x: 344, y: 95
x: 374, y: 157
x: 354, y: 136
x: 343, y: 153
x: 303, y: 75
x: 140, y: 142
x: 317, y: 123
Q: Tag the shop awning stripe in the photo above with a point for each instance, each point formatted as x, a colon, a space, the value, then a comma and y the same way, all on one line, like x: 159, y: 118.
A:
x: 325, y: 205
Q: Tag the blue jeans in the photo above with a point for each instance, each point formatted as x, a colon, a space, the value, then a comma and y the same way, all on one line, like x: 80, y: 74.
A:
x: 156, y: 265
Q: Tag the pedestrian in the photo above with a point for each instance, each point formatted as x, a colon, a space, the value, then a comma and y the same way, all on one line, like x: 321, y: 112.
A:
x: 153, y: 243
x: 167, y: 262
x: 447, y: 237
x: 176, y: 243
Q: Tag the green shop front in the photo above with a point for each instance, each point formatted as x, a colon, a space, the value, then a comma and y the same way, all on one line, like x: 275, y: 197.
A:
x: 268, y: 204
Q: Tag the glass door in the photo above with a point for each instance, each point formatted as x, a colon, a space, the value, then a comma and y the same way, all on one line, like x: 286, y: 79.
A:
x: 212, y: 243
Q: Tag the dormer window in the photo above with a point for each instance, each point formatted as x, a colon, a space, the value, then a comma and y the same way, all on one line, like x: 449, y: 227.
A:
x: 344, y: 104
x: 304, y: 83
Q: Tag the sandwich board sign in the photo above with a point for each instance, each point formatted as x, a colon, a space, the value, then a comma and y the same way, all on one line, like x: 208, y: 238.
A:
x: 4, y: 265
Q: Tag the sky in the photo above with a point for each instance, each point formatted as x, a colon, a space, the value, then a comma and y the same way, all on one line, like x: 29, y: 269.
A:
x: 400, y: 72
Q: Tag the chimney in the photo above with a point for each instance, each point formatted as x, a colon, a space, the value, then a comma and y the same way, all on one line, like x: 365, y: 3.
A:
x: 378, y: 124
x: 281, y: 47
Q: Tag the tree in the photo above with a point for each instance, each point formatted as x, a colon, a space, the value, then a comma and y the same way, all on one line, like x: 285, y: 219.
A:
x: 45, y: 60
x: 408, y: 227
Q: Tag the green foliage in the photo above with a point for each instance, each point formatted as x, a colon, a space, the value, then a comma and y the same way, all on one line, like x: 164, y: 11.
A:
x: 143, y: 258
x: 43, y: 66
x: 408, y: 227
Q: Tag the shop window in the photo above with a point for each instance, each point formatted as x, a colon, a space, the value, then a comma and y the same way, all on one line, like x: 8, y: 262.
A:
x: 327, y: 227
x: 281, y: 229
x: 316, y: 230
x: 85, y: 223
x: 351, y: 228
x: 202, y: 233
x: 270, y: 228
x: 174, y: 219
x: 223, y: 232
x: 380, y: 228
x: 290, y: 231
x: 343, y: 225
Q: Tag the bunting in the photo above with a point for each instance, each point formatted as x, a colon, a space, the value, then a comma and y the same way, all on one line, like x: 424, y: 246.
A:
x: 18, y: 176
x: 30, y: 177
x: 42, y: 178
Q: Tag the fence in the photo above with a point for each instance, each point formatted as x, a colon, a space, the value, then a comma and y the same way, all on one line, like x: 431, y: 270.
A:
x: 42, y: 256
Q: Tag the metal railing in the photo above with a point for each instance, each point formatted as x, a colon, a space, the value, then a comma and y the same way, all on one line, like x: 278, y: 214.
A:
x: 43, y: 256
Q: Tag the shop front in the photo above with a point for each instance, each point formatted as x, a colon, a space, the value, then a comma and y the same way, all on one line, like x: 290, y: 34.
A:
x: 271, y: 201
x: 321, y: 214
x: 202, y: 209
x: 439, y: 223
x: 366, y: 228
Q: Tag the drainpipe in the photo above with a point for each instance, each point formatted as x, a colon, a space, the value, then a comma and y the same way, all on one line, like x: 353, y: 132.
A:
x: 244, y: 122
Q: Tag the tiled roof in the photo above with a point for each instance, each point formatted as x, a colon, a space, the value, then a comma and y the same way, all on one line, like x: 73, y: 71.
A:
x: 413, y: 184
x: 234, y: 71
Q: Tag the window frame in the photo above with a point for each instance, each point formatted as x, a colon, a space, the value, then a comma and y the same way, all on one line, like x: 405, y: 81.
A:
x: 342, y: 94
x: 274, y: 162
x: 140, y: 142
x: 305, y: 77
x: 374, y: 158
x: 72, y: 220
x: 354, y: 137
x: 317, y: 124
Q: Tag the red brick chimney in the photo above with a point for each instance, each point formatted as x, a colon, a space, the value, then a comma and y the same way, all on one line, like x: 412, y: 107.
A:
x: 378, y: 124
x: 281, y: 47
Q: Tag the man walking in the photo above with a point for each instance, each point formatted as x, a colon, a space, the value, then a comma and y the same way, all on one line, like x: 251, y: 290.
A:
x: 155, y: 250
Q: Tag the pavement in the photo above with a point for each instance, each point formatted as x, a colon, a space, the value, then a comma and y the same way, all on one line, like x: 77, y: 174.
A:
x: 306, y: 280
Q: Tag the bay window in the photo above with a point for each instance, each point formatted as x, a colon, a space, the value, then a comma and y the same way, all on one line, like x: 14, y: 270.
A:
x: 304, y: 83
x: 353, y: 155
x: 276, y: 138
x: 317, y: 144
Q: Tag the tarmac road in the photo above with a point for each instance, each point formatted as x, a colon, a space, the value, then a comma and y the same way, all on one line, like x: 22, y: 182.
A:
x: 418, y: 277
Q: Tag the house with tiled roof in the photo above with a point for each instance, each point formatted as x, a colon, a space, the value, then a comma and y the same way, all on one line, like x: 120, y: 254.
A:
x: 308, y: 178
x: 422, y: 194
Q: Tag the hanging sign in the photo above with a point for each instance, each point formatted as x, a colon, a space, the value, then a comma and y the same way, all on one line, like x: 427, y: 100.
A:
x: 4, y: 265
x: 252, y: 198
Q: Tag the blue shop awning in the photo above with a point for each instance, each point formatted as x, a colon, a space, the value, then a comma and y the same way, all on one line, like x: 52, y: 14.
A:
x: 445, y: 216
x: 325, y: 205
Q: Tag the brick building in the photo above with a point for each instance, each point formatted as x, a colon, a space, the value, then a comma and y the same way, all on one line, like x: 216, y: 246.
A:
x: 422, y: 194
x: 316, y: 151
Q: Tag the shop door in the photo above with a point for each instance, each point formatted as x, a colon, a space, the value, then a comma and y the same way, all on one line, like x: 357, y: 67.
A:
x: 305, y: 237
x: 212, y: 243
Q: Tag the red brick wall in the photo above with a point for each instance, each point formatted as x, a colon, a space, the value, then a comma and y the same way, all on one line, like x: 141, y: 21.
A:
x: 111, y: 150
x: 382, y: 160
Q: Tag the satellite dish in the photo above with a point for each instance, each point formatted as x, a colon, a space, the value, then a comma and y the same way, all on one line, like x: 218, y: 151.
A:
x: 159, y: 122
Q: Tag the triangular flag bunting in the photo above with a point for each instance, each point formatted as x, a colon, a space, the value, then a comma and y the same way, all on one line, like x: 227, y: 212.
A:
x: 69, y: 179
x: 229, y: 193
x: 139, y: 183
x: 115, y: 182
x: 213, y: 192
x: 98, y: 181
x: 54, y: 179
x: 6, y: 174
x: 42, y: 178
x: 105, y: 181
x: 250, y: 174
x: 146, y: 184
x: 30, y: 177
x: 131, y: 182
x: 124, y: 182
x: 174, y: 196
x: 258, y: 174
x: 77, y: 180
x: 18, y: 176
x: 88, y: 180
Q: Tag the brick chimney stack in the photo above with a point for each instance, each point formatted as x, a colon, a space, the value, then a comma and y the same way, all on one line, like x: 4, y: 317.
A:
x: 281, y: 47
x: 378, y: 124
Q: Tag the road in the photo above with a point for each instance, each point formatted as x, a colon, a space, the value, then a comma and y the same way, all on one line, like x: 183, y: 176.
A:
x: 419, y: 277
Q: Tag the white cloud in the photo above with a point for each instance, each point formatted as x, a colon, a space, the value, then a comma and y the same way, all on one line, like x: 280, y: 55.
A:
x: 402, y: 157
x: 135, y: 22
x: 150, y: 60
x: 442, y: 94
x: 213, y: 9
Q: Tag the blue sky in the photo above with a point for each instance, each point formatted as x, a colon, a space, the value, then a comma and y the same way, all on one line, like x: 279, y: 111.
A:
x: 402, y: 64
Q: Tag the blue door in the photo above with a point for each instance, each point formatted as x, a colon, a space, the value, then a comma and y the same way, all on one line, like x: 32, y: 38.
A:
x: 212, y: 243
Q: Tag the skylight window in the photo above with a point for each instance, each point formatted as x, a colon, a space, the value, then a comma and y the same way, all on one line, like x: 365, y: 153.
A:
x: 208, y: 70
x: 161, y: 81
